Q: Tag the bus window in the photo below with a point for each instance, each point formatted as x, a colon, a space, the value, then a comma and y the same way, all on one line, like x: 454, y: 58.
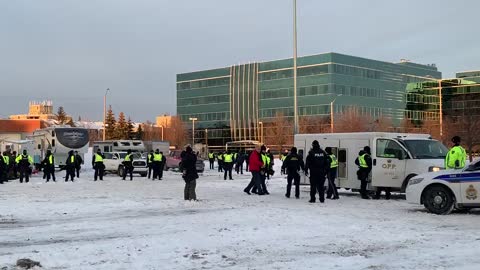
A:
x: 125, y: 143
x: 106, y: 148
x: 115, y: 144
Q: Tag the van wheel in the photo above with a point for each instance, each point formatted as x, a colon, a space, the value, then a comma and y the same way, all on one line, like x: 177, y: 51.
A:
x: 120, y: 171
x: 438, y: 200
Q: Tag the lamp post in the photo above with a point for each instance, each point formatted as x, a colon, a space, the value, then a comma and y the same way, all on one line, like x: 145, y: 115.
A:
x: 161, y: 126
x: 193, y: 119
x: 295, y: 105
x: 331, y: 113
x: 105, y: 113
x: 261, y: 131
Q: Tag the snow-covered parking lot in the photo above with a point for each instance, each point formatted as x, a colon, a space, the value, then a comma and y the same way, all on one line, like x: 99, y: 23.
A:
x: 146, y: 224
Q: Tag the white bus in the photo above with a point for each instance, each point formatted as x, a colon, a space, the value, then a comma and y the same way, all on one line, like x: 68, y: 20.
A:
x: 60, y: 140
x: 396, y: 157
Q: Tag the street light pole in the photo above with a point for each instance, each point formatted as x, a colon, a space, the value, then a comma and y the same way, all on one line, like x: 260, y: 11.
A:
x: 162, y: 131
x: 193, y: 119
x: 261, y: 131
x: 295, y: 104
x: 105, y: 113
x: 331, y: 113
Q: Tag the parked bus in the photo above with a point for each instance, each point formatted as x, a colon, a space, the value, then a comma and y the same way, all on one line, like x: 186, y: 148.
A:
x: 60, y: 140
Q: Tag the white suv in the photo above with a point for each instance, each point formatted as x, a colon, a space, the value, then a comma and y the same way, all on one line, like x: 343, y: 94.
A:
x: 113, y: 162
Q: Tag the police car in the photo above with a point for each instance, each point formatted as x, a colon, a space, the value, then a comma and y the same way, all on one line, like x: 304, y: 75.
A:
x: 440, y: 192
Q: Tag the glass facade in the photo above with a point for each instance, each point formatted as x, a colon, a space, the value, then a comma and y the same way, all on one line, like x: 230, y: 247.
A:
x: 459, y: 97
x: 238, y: 97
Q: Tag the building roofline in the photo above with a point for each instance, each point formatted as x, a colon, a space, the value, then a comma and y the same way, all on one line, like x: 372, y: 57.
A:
x: 478, y: 70
x: 309, y: 55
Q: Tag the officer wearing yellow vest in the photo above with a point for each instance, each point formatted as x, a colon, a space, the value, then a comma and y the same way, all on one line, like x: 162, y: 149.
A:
x: 364, y: 163
x: 3, y: 167
x: 49, y: 166
x: 70, y: 166
x: 228, y: 159
x: 332, y: 192
x: 128, y: 165
x: 283, y: 156
x: 157, y: 165
x: 8, y: 163
x: 220, y: 161
x: 456, y: 157
x: 150, y: 163
x: 97, y: 163
x: 211, y: 159
x: 24, y: 161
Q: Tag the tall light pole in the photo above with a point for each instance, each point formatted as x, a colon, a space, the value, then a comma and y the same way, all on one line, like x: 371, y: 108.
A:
x: 295, y: 105
x: 193, y: 119
x: 261, y: 131
x: 105, y: 113
x: 161, y: 126
x: 331, y: 113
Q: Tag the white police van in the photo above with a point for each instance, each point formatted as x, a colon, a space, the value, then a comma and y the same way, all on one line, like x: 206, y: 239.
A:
x: 441, y: 192
x: 396, y: 157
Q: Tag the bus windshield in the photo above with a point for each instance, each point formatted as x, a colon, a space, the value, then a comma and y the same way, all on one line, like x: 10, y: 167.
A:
x: 426, y: 149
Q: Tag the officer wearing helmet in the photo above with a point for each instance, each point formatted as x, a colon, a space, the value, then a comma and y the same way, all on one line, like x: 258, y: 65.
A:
x: 456, y: 157
x: 317, y: 164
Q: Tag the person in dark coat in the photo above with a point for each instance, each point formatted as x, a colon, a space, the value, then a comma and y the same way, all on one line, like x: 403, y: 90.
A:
x: 239, y: 163
x: 292, y: 165
x: 3, y: 168
x: 70, y: 164
x: 49, y: 166
x: 78, y: 163
x: 162, y: 165
x: 317, y: 164
x: 189, y: 173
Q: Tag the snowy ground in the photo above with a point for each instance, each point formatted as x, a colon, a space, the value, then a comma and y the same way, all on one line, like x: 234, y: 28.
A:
x: 146, y: 224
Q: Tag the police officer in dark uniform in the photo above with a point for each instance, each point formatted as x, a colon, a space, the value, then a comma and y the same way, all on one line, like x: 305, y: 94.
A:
x: 70, y: 166
x: 150, y: 163
x: 49, y: 166
x: 24, y: 161
x: 332, y: 192
x: 128, y: 165
x: 97, y: 163
x: 364, y: 163
x: 317, y: 164
x: 78, y: 163
x: 291, y: 165
x: 3, y: 168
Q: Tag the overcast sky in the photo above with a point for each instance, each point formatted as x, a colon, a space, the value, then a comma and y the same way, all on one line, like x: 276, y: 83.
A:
x: 70, y: 51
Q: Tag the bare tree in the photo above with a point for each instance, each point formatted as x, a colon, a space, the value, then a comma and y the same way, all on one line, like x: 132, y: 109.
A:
x: 351, y: 121
x: 279, y: 132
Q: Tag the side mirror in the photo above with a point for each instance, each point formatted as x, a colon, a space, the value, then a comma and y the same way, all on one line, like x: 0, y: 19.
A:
x: 114, y: 157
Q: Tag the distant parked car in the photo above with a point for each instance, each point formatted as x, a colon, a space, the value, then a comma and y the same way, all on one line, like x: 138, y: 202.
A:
x: 174, y: 159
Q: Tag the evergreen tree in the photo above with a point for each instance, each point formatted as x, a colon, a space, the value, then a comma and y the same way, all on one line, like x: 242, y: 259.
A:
x: 131, y: 129
x: 121, y: 131
x: 139, y: 134
x: 110, y: 124
x: 61, y: 116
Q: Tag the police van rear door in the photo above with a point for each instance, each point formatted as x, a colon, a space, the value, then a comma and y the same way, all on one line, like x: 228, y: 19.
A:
x: 389, y: 160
